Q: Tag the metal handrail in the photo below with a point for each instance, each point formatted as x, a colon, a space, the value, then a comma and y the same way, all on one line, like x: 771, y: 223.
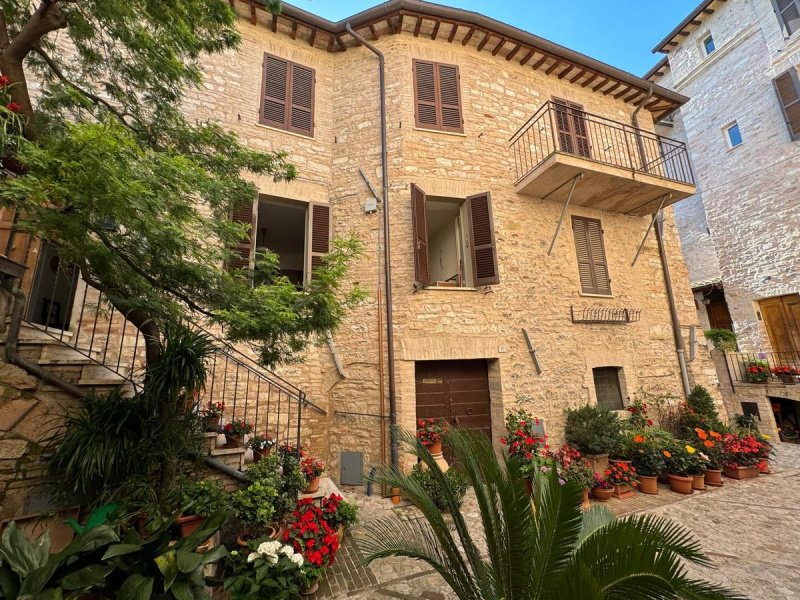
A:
x: 739, y: 364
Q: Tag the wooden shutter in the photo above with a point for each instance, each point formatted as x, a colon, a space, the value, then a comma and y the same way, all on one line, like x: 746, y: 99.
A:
x: 243, y: 249
x: 787, y: 86
x: 789, y: 13
x: 573, y: 133
x: 484, y: 250
x: 437, y: 97
x: 592, y: 264
x: 319, y: 235
x: 287, y: 100
x: 422, y: 269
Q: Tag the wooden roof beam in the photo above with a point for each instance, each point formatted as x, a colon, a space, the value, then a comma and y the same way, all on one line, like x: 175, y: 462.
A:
x: 468, y: 37
x: 613, y: 88
x: 313, y: 37
x: 553, y: 67
x: 708, y: 11
x: 373, y: 32
x: 540, y: 62
x: 580, y: 74
x: 636, y: 95
x: 483, y: 41
x: 253, y: 18
x: 435, y: 31
x: 453, y: 32
x: 499, y: 46
x: 294, y: 30
x: 417, y: 27
x: 274, y: 23
x: 619, y: 95
x: 650, y: 105
x: 330, y: 43
x: 527, y: 57
x: 565, y: 72
x: 513, y: 53
x: 601, y: 84
x: 588, y: 82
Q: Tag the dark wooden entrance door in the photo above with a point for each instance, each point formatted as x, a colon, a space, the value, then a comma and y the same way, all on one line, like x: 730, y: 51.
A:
x: 782, y: 319
x: 456, y: 391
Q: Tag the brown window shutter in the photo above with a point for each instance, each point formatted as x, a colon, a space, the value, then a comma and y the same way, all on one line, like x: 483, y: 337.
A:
x: 787, y: 86
x: 425, y: 107
x: 789, y: 13
x: 590, y: 250
x: 275, y: 92
x: 437, y: 97
x: 573, y: 131
x: 422, y: 270
x: 301, y: 115
x: 484, y: 248
x: 448, y: 81
x: 242, y: 214
x: 319, y: 242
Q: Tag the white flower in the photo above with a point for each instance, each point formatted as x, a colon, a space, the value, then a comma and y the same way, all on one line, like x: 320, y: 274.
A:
x: 272, y: 559
x: 297, y: 559
x: 269, y: 548
x: 251, y: 557
x: 287, y: 551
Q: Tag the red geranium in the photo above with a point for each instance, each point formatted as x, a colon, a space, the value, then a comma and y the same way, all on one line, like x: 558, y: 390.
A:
x: 4, y: 80
x: 312, y: 468
x: 429, y: 431
x: 620, y: 473
x: 13, y: 106
x: 310, y: 534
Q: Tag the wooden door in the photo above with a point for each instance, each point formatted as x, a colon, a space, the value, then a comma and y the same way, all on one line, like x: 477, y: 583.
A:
x: 782, y: 320
x: 719, y: 317
x: 456, y: 391
x: 573, y: 130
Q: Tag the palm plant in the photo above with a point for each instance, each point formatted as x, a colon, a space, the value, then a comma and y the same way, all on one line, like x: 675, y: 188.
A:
x: 542, y: 547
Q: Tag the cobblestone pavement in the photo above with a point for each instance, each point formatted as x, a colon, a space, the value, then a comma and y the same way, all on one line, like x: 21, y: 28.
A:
x: 749, y: 528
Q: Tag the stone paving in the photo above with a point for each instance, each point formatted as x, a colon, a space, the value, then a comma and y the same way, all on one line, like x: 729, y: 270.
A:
x: 749, y: 528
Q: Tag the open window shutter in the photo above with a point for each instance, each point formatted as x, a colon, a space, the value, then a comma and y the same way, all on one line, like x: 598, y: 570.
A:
x: 425, y: 94
x: 319, y: 242
x: 594, y: 232
x: 422, y: 269
x: 565, y: 141
x: 242, y: 214
x: 484, y: 250
x: 275, y: 92
x: 449, y: 98
x: 787, y: 86
x: 585, y: 266
x: 789, y: 11
x: 301, y: 114
x: 580, y: 130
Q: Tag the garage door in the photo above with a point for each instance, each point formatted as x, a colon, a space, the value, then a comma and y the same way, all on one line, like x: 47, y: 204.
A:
x: 456, y: 391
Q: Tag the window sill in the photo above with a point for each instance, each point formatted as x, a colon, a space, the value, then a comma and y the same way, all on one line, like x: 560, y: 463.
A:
x: 736, y: 147
x: 437, y: 288
x: 440, y: 132
x: 287, y: 132
x: 584, y: 295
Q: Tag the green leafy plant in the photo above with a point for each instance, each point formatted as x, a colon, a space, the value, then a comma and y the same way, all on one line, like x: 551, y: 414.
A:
x: 338, y: 512
x: 204, y: 497
x: 593, y: 430
x: 549, y: 551
x: 255, y: 506
x: 272, y: 570
x: 721, y: 339
x: 746, y: 422
x: 579, y: 473
x: 435, y: 489
x: 647, y: 454
x: 684, y: 460
x: 700, y: 411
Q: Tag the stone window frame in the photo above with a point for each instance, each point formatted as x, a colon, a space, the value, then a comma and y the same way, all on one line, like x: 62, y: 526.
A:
x: 703, y: 45
x: 726, y: 133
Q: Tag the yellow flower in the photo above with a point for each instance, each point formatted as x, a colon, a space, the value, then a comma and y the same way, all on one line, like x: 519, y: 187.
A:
x: 765, y: 436
x: 689, y: 449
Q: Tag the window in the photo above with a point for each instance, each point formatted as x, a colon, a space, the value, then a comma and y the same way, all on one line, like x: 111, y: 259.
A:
x: 298, y: 232
x: 733, y: 135
x: 573, y: 133
x: 592, y: 264
x: 454, y: 243
x: 437, y: 97
x: 287, y: 98
x: 708, y: 44
x: 788, y: 12
x: 787, y: 87
x: 608, y: 387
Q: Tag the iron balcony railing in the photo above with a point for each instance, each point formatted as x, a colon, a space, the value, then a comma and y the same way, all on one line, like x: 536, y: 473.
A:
x: 764, y: 367
x: 557, y: 127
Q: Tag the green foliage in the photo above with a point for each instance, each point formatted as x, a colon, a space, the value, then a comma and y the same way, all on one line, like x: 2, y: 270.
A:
x: 593, y: 430
x: 684, y: 460
x: 282, y: 472
x: 551, y: 550
x: 647, y: 451
x: 579, y: 473
x: 435, y: 488
x: 347, y: 514
x: 182, y: 368
x: 722, y: 339
x: 700, y: 411
x: 255, y: 505
x: 203, y: 497
x: 275, y: 572
x: 747, y: 423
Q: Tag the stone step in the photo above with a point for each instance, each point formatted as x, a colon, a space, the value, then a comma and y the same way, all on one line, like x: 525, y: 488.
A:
x: 58, y: 354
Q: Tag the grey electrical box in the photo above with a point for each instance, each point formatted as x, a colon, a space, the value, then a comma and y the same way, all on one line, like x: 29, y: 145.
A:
x: 352, y: 468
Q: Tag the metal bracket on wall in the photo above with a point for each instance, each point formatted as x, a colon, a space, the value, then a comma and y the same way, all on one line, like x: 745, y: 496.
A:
x: 575, y: 180
x: 335, y: 356
x: 532, y: 350
x: 692, y: 342
x: 664, y: 198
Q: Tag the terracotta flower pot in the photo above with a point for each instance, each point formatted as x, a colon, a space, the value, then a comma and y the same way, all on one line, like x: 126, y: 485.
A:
x: 340, y: 534
x: 699, y: 482
x: 396, y: 496
x: 787, y: 379
x: 245, y: 536
x: 189, y: 524
x: 764, y: 468
x: 648, y: 484
x: 234, y: 440
x: 602, y: 495
x: 740, y: 472
x: 585, y: 504
x: 435, y: 448
x: 714, y: 477
x: 310, y: 589
x: 681, y: 485
x: 313, y: 486
x: 528, y: 486
x: 624, y: 491
x: 598, y: 462
x: 213, y: 423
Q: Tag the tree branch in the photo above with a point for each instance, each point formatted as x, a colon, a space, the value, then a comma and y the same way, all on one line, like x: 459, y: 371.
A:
x: 46, y: 19
x: 4, y: 39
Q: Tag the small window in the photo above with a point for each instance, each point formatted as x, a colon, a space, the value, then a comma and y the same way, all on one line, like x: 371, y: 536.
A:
x: 733, y: 135
x: 287, y: 96
x: 437, y: 97
x: 708, y: 44
x: 788, y: 12
x: 608, y: 387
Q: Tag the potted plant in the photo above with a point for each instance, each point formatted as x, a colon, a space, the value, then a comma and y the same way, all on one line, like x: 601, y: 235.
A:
x: 429, y: 432
x: 766, y: 452
x: 236, y: 430
x: 199, y: 500
x: 254, y: 505
x: 602, y: 490
x: 261, y: 446
x: 271, y: 569
x: 212, y: 415
x: 757, y: 371
x: 312, y: 468
x: 578, y: 471
x: 741, y: 454
x: 595, y: 432
x: 649, y: 462
x: 339, y: 514
x: 624, y: 479
x: 787, y: 374
x: 681, y: 463
x: 711, y: 442
x: 525, y: 443
x: 309, y: 533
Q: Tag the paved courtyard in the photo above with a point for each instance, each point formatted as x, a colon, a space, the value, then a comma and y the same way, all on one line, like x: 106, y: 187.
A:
x: 749, y: 528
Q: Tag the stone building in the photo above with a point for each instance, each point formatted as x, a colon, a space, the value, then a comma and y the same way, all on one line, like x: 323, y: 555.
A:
x: 522, y: 182
x: 739, y: 63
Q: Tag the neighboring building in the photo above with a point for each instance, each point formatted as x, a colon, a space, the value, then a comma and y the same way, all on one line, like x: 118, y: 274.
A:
x: 501, y: 290
x: 738, y: 61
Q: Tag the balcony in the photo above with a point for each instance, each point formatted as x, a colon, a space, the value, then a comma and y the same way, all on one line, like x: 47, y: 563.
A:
x: 624, y: 169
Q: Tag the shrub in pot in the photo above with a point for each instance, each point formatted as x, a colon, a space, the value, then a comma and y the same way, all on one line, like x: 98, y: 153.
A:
x: 649, y: 461
x: 272, y: 569
x: 309, y: 533
x: 456, y: 482
x: 710, y: 443
x: 572, y: 467
x: 757, y: 371
x: 594, y: 431
x: 282, y: 472
x: 524, y: 441
x: 198, y: 500
x: 699, y: 411
x: 212, y: 415
x: 236, y: 430
x: 312, y: 468
x: 786, y: 373
x: 742, y: 452
x: 254, y: 505
x: 682, y: 463
x: 261, y: 446
x: 339, y: 514
x: 429, y: 433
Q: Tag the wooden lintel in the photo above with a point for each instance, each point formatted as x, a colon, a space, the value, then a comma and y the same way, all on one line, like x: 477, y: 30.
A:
x: 330, y: 43
x: 294, y: 30
x: 373, y: 32
x: 540, y: 62
x: 565, y: 72
x: 453, y: 32
x: 483, y: 41
x: 601, y: 84
x: 513, y: 53
x: 580, y: 74
x: 553, y: 67
x: 274, y: 23
x: 619, y: 95
x: 497, y: 48
x: 527, y: 57
x: 313, y: 37
x: 590, y: 80
x: 468, y: 37
x: 613, y: 88
x: 435, y: 31
x: 417, y: 27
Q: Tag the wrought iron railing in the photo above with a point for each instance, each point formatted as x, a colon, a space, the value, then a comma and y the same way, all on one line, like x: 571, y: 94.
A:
x: 560, y: 128
x: 99, y: 332
x: 764, y: 367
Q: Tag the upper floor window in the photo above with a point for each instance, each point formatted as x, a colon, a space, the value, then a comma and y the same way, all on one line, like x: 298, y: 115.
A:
x: 708, y: 44
x: 788, y: 12
x: 787, y: 87
x: 437, y: 97
x: 732, y: 135
x: 287, y: 96
x: 592, y: 263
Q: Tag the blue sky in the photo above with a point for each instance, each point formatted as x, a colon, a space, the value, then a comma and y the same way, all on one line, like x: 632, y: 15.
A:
x: 619, y: 32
